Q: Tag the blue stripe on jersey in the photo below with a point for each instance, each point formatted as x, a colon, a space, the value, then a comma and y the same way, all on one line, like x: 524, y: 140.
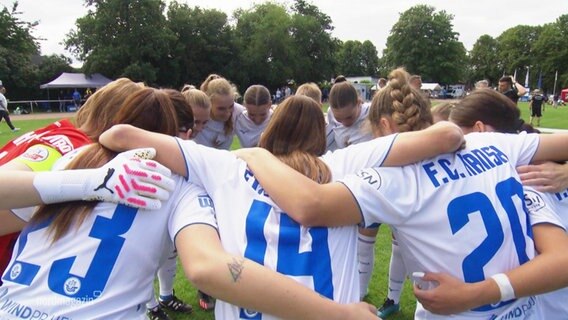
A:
x: 178, y: 140
x: 388, y: 151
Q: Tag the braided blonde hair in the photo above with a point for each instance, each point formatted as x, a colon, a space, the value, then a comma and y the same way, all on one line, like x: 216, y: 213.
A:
x: 405, y: 105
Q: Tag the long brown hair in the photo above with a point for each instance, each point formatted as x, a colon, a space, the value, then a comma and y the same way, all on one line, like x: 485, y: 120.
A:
x: 490, y: 107
x: 296, y: 135
x: 184, y: 113
x: 405, y: 105
x: 149, y: 109
x: 96, y: 115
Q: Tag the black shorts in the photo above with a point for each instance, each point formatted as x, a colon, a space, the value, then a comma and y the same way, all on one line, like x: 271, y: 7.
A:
x: 536, y: 112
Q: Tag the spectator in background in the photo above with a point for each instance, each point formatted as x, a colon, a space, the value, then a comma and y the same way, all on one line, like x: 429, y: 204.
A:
x: 536, y: 106
x: 512, y: 89
x: 76, y: 98
x: 4, y: 114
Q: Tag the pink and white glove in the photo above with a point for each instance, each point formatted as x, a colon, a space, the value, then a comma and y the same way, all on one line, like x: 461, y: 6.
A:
x: 130, y: 179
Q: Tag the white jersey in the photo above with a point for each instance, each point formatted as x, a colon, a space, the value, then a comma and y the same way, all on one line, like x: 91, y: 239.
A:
x: 104, y: 269
x: 461, y: 214
x: 248, y: 131
x: 214, y: 136
x: 554, y: 304
x: 339, y: 136
x: 252, y: 225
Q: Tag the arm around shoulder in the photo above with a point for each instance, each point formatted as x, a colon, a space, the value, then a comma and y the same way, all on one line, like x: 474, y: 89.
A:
x: 247, y: 284
x: 411, y: 147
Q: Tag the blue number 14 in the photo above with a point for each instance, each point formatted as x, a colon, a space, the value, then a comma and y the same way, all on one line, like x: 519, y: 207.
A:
x: 290, y: 261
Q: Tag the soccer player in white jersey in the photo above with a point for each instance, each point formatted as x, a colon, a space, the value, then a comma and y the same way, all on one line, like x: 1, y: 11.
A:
x: 52, y: 275
x: 250, y: 124
x: 323, y: 259
x: 220, y: 130
x: 459, y: 213
x: 396, y: 108
x: 486, y: 111
x: 345, y: 117
x: 345, y: 126
x: 554, y: 306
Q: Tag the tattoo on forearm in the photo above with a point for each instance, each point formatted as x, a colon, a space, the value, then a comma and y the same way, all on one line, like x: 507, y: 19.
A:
x: 236, y: 268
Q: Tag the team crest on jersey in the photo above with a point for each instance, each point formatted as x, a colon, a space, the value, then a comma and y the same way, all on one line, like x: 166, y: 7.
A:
x: 249, y: 314
x: 16, y: 270
x: 36, y: 154
x: 372, y: 177
x: 72, y: 286
x: 534, y: 201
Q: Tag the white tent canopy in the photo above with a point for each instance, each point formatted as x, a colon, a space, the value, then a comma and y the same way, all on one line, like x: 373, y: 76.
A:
x: 431, y: 86
x: 77, y: 80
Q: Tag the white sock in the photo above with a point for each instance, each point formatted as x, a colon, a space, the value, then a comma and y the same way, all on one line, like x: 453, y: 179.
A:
x: 153, y: 303
x: 166, y: 275
x: 366, y: 259
x: 397, y: 273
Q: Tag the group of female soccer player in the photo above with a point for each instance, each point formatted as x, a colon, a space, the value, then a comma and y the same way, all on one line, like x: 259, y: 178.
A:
x: 460, y: 214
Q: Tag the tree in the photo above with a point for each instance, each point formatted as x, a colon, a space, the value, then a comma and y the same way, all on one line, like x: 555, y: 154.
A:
x: 123, y: 38
x: 484, y: 60
x: 265, y: 45
x: 551, y: 52
x: 17, y: 46
x: 313, y: 43
x: 424, y: 42
x: 204, y: 43
x: 516, y: 49
x: 358, y: 59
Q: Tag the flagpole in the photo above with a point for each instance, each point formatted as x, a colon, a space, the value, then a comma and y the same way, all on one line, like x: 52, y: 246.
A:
x: 555, y: 79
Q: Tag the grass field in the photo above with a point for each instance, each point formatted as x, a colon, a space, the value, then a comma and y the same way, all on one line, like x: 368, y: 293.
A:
x: 552, y: 118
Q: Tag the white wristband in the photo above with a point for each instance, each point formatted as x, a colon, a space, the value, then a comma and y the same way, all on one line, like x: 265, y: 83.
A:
x: 61, y: 186
x: 505, y: 287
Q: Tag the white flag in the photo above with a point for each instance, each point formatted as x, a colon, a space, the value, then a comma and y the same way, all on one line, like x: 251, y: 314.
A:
x: 527, y: 77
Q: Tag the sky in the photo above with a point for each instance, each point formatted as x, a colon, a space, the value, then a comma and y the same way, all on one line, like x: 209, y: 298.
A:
x: 353, y: 20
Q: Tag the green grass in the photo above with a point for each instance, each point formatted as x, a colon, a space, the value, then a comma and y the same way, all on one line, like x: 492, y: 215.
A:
x: 24, y: 125
x: 552, y: 118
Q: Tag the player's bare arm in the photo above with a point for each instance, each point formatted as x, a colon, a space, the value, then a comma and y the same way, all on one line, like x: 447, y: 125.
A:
x: 245, y: 283
x: 454, y: 296
x: 124, y: 137
x: 414, y: 146
x: 307, y: 202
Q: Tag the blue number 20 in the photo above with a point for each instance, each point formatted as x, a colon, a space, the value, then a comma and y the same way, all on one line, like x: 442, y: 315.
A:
x: 315, y: 263
x: 459, y: 210
x: 60, y: 280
